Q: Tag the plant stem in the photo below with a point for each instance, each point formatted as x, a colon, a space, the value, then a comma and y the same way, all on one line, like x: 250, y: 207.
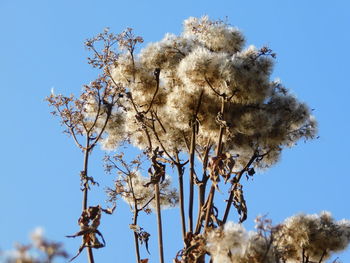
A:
x: 181, y: 195
x: 230, y: 199
x: 192, y: 152
x: 201, y: 189
x: 210, y: 205
x: 86, y: 189
x: 86, y: 183
x: 136, y: 214
x: 136, y: 240
x: 218, y: 153
x: 159, y: 223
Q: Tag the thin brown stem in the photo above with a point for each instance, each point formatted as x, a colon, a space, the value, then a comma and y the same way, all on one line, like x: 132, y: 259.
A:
x: 102, y: 130
x: 72, y: 132
x: 85, y: 174
x: 159, y: 141
x: 192, y: 170
x: 180, y: 172
x: 209, y: 205
x: 146, y: 204
x: 97, y: 113
x: 156, y: 75
x: 237, y: 179
x: 136, y: 238
x: 322, y: 257
x: 212, y: 88
x: 86, y: 189
x: 70, y: 127
x: 201, y: 188
x: 192, y: 153
x: 159, y: 223
x: 218, y: 153
x: 136, y: 213
x: 90, y: 255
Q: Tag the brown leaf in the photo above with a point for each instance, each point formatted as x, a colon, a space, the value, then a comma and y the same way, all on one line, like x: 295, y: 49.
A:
x: 239, y: 202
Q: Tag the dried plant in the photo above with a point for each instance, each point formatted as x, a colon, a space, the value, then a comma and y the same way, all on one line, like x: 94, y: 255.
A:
x: 48, y: 250
x: 202, y: 105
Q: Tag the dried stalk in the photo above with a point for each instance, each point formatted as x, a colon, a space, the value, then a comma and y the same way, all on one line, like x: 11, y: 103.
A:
x: 239, y: 176
x: 86, y: 189
x: 218, y: 152
x: 192, y: 153
x: 202, y: 187
x: 136, y: 239
x: 180, y: 172
x: 159, y: 223
x: 192, y: 171
x: 136, y: 213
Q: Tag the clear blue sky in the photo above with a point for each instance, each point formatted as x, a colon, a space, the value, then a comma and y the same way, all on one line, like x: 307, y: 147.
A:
x: 42, y: 47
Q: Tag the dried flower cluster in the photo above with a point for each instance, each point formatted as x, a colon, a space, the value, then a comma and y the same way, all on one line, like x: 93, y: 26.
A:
x: 136, y: 189
x: 300, y: 239
x: 184, y: 77
x: 49, y: 250
x: 144, y: 193
x: 201, y: 94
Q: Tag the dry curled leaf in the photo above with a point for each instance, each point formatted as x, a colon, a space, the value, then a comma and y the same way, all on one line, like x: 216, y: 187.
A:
x: 88, y: 222
x: 220, y: 165
x: 239, y: 201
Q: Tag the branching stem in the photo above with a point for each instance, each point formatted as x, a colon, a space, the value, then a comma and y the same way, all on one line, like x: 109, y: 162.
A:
x: 201, y: 188
x: 237, y: 179
x: 136, y: 239
x: 218, y: 153
x: 194, y: 125
x: 86, y: 189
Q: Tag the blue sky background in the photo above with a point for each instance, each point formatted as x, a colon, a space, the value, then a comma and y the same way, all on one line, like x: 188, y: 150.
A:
x: 42, y: 47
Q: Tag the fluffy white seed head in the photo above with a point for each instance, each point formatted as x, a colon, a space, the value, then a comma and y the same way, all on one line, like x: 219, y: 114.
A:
x: 318, y: 235
x: 145, y: 193
x: 198, y: 67
x: 225, y: 244
x: 215, y: 35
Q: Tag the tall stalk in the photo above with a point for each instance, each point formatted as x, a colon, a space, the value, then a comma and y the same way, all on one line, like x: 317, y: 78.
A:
x: 181, y: 195
x: 159, y: 223
x: 87, y: 150
x: 136, y: 214
x: 192, y: 153
x: 202, y: 187
x: 136, y: 239
x: 238, y: 178
x: 218, y: 153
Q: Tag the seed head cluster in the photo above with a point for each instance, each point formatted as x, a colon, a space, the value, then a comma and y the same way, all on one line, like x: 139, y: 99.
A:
x: 300, y: 238
x: 185, y: 77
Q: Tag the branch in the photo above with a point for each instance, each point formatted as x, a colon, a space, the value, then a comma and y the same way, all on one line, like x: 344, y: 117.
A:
x: 194, y: 125
x: 202, y: 187
x: 218, y: 153
x: 180, y: 171
x: 85, y: 191
x: 236, y: 180
x: 156, y: 75
x: 212, y: 88
x: 97, y: 114
x: 159, y: 141
x: 159, y: 223
x: 109, y: 112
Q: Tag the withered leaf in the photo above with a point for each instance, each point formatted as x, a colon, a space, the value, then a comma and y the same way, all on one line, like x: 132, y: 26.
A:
x: 251, y: 172
x: 239, y: 202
